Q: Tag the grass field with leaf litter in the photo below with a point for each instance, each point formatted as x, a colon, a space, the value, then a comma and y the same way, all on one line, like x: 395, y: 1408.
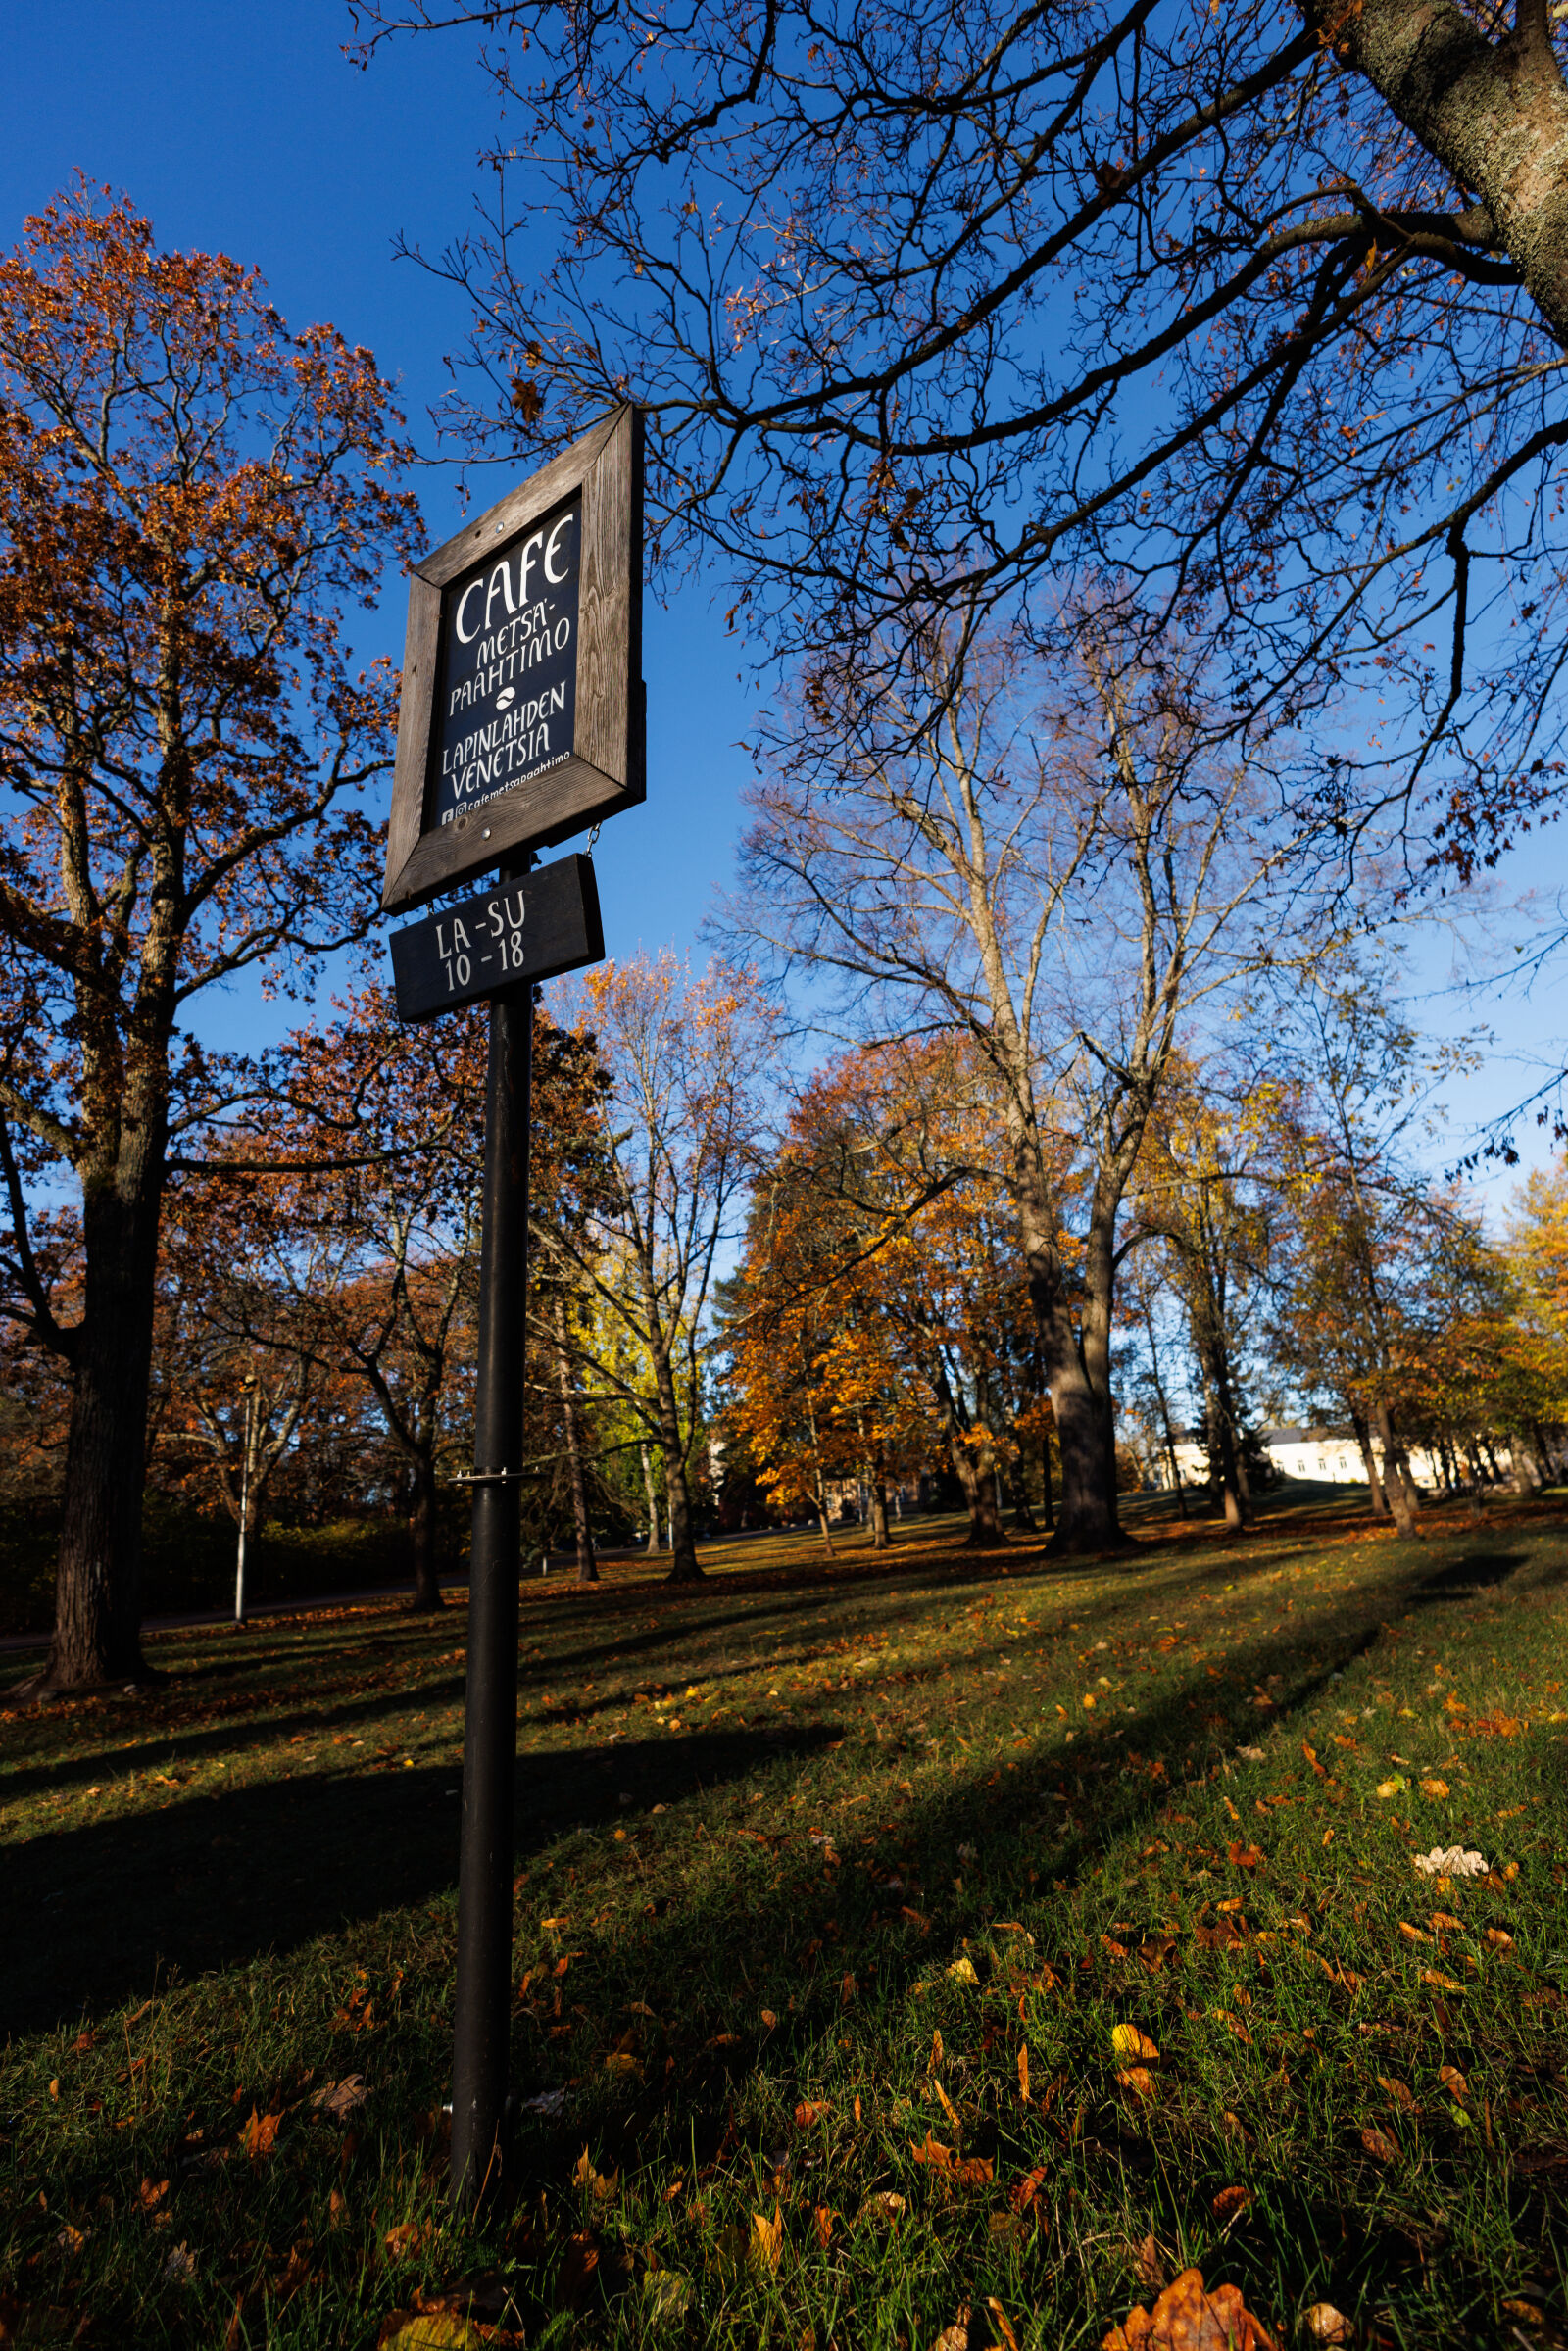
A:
x: 943, y: 1948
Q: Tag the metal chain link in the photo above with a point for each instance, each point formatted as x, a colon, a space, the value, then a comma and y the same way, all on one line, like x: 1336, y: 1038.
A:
x: 594, y: 835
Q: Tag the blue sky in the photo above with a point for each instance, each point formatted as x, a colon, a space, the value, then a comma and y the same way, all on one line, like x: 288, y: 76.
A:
x: 239, y: 126
x: 242, y: 129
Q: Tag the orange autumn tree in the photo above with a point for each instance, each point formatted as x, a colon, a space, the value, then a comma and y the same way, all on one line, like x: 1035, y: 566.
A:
x: 190, y: 495
x: 883, y: 1318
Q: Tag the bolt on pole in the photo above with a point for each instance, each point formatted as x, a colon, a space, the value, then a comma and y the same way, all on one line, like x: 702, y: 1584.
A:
x: 480, y: 2046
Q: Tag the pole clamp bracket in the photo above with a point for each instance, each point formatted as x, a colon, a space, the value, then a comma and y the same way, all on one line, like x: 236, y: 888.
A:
x: 486, y: 1477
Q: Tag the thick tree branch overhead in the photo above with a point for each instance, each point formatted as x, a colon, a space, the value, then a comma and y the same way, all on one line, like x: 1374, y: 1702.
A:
x: 975, y: 302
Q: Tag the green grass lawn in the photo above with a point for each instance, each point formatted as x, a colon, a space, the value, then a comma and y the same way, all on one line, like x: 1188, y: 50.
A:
x: 834, y: 1885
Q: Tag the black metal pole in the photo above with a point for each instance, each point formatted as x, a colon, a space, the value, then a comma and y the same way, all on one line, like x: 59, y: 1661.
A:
x: 490, y: 1726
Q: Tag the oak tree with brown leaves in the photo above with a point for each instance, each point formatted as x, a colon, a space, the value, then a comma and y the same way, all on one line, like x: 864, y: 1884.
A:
x: 190, y: 495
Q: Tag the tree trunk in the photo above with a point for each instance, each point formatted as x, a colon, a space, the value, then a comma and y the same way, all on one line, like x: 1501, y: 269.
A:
x: 1394, y: 1483
x: 652, y: 1499
x: 978, y: 1484
x: 879, y: 1502
x: 683, y: 1565
x: 1369, y: 1462
x: 587, y: 1564
x: 1022, y: 1516
x: 1164, y: 1414
x: 97, y: 1635
x: 426, y: 1593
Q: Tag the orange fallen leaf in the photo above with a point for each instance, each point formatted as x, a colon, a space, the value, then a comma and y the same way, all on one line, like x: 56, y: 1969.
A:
x: 822, y: 2220
x: 1139, y: 2081
x: 1002, y: 2327
x: 405, y: 2239
x: 1023, y: 2071
x: 259, y: 2133
x: 1453, y: 2082
x: 1379, y: 2145
x: 810, y: 2111
x: 1027, y: 2190
x: 947, y: 2105
x: 1245, y: 1857
x: 1432, y: 1788
x: 151, y: 2194
x: 1431, y: 1974
x: 1398, y: 2091
x: 1323, y: 2324
x: 1229, y: 2202
x: 1188, y: 2318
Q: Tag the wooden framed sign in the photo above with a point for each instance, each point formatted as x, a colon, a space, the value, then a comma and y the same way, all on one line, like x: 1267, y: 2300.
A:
x: 532, y: 928
x: 521, y: 717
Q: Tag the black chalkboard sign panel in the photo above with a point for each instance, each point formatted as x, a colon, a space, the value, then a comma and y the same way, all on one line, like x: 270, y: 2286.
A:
x: 532, y: 929
x: 507, y: 695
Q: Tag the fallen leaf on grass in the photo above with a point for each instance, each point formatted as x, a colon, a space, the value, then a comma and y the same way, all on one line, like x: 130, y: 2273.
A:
x: 259, y: 2133
x: 1323, y: 2324
x: 151, y: 2194
x: 1127, y: 2042
x: 1187, y: 2319
x: 339, y: 2099
x: 180, y: 2267
x: 667, y: 2293
x: 596, y: 2184
x: 1146, y: 2262
x: 810, y: 2111
x: 622, y: 2061
x: 954, y: 2337
x: 1002, y: 2327
x: 551, y: 2103
x: 1379, y: 2145
x: 1429, y: 1787
x: 1228, y: 2203
x: 973, y: 2170
x: 1431, y: 1974
x: 1500, y: 1939
x: 1398, y: 2091
x: 1391, y: 1787
x: 1140, y: 2082
x: 946, y: 2103
x: 962, y: 1971
x: 1413, y: 1934
x: 885, y: 2206
x: 1245, y: 1857
x: 822, y: 2219
x: 577, y: 2266
x: 1451, y: 1861
x: 427, y: 2330
x: 1453, y: 2082
x: 767, y: 2238
x: 405, y: 2239
x: 1023, y: 2071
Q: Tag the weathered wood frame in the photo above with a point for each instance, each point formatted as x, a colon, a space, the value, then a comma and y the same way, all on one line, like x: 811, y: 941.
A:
x: 606, y: 770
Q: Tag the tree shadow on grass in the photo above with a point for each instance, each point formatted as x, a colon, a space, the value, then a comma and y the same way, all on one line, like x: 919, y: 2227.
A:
x: 103, y: 1911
